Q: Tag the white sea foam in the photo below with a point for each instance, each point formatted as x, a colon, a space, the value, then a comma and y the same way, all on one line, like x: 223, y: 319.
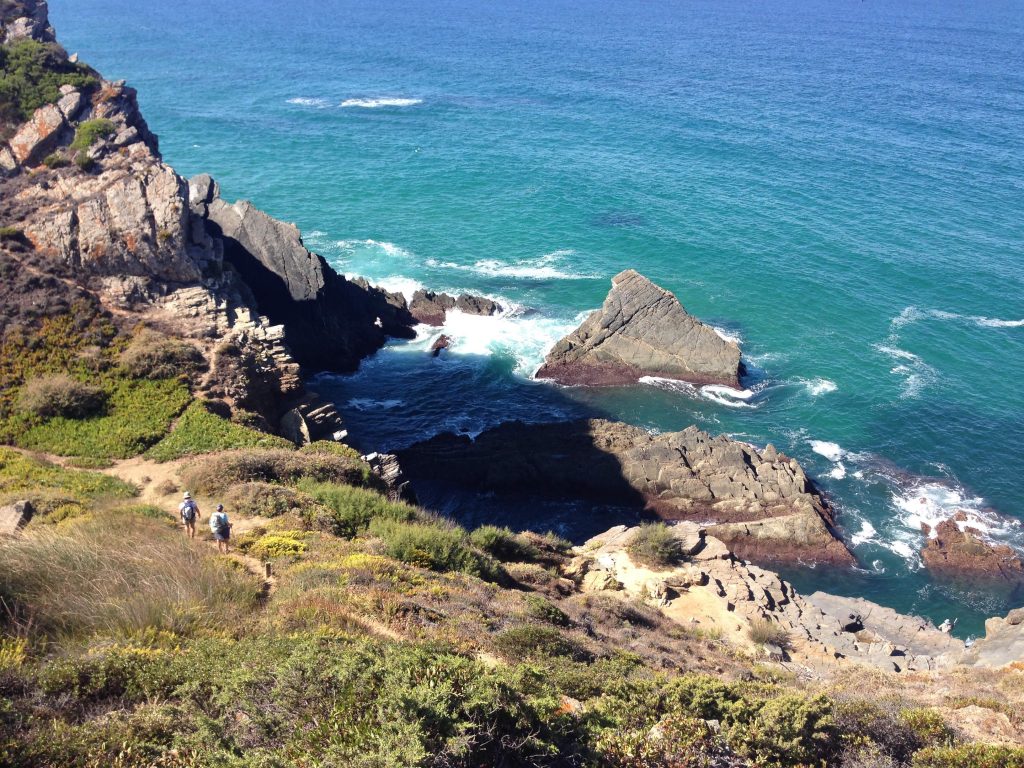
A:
x: 305, y: 101
x: 406, y: 286
x: 388, y: 249
x: 369, y: 404
x: 546, y: 267
x: 831, y: 451
x: 819, y: 386
x: 865, y: 535
x: 838, y: 471
x: 732, y: 336
x: 671, y: 385
x: 931, y: 503
x: 912, y: 314
x: 916, y: 373
x: 727, y: 396
x: 380, y: 102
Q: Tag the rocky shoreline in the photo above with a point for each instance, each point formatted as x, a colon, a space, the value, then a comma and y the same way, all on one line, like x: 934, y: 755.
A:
x: 111, y: 225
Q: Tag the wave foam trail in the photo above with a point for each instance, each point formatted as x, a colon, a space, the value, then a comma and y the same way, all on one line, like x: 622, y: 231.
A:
x: 309, y: 102
x: 380, y: 102
x: 838, y: 472
x: 368, y: 404
x: 912, y: 314
x: 819, y: 386
x: 383, y: 246
x: 727, y: 396
x: 916, y: 373
x: 672, y: 385
x: 865, y: 535
x: 831, y: 451
x: 931, y: 503
x: 544, y: 267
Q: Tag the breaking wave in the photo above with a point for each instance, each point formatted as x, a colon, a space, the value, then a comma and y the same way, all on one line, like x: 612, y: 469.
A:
x: 380, y: 102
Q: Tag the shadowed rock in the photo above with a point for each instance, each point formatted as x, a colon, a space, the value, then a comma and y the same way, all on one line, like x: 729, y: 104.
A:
x: 760, y: 503
x: 642, y: 330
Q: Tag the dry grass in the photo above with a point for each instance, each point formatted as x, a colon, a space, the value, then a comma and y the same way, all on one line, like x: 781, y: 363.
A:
x: 122, y: 572
x: 765, y: 632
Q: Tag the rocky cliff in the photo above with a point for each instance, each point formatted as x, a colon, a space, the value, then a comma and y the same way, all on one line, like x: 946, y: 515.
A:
x: 90, y: 213
x: 760, y: 503
x: 642, y: 330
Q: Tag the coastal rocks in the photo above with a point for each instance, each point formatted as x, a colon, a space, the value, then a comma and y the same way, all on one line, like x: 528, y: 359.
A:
x: 714, y: 590
x: 442, y: 343
x: 15, y: 516
x: 642, y: 330
x: 1002, y: 644
x: 21, y: 19
x: 760, y: 503
x: 331, y: 323
x: 953, y: 551
x: 36, y: 137
x: 432, y: 308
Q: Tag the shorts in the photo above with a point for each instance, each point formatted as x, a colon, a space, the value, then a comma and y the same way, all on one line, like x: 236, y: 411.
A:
x: 221, y: 536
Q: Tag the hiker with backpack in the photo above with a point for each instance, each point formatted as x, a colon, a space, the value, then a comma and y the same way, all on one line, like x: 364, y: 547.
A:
x: 221, y: 528
x: 189, y: 511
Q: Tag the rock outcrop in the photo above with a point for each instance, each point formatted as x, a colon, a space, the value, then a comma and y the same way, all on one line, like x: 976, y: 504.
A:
x: 432, y: 308
x: 713, y: 590
x: 25, y: 19
x: 642, y: 330
x: 761, y: 503
x: 956, y: 552
x: 1003, y: 642
x: 331, y: 323
x: 15, y: 516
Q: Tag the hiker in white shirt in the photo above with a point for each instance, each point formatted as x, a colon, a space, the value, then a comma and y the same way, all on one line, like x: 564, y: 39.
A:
x: 189, y: 511
x: 221, y: 528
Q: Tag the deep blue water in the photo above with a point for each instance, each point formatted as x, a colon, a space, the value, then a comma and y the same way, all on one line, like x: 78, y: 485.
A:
x: 839, y: 184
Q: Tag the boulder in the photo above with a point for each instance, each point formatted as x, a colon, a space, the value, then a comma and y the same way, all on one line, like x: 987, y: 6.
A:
x: 642, y: 330
x: 954, y: 551
x: 443, y: 342
x: 432, y: 308
x: 1002, y: 644
x: 21, y: 19
x: 763, y: 509
x: 38, y: 136
x: 15, y: 516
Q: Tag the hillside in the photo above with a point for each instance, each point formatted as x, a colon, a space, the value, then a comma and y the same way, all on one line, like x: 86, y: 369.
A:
x: 153, y: 339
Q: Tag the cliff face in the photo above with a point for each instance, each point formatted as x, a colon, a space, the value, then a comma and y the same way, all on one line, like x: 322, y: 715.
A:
x: 90, y: 212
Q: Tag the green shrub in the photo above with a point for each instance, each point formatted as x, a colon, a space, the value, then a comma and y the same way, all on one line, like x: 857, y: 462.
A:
x: 139, y: 414
x: 529, y: 641
x: 674, y: 741
x: 928, y: 726
x: 266, y: 499
x: 542, y: 609
x: 788, y: 730
x: 767, y: 632
x: 331, y: 448
x: 503, y: 544
x: 41, y: 481
x: 10, y: 233
x: 117, y: 573
x: 655, y: 545
x: 83, y: 161
x: 970, y: 756
x: 702, y: 696
x: 152, y: 355
x: 61, y: 395
x: 280, y: 544
x: 435, y: 545
x: 347, y: 511
x: 55, y: 160
x: 200, y: 431
x: 31, y: 74
x: 880, y: 724
x: 215, y: 473
x: 91, y: 131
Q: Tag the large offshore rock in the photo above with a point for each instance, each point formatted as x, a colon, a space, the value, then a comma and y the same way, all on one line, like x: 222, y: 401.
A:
x: 954, y: 553
x: 759, y: 502
x: 432, y: 308
x: 642, y: 330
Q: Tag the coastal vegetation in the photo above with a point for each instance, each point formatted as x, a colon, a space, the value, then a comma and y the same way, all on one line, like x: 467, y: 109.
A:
x: 31, y: 74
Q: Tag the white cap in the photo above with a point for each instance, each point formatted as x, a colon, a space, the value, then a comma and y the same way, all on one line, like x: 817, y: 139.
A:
x: 188, y: 495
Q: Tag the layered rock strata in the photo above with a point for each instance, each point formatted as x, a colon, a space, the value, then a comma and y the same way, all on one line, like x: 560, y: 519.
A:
x: 761, y: 503
x: 642, y: 330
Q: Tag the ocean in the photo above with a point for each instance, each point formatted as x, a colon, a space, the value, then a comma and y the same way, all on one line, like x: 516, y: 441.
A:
x: 838, y: 185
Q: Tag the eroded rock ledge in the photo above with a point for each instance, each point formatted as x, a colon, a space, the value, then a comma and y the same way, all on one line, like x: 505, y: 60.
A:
x: 761, y: 503
x: 642, y: 330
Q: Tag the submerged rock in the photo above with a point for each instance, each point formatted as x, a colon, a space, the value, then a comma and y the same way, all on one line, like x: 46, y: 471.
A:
x: 642, y: 330
x: 760, y: 503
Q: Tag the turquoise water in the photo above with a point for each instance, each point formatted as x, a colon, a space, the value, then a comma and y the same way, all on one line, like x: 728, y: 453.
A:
x: 838, y: 184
